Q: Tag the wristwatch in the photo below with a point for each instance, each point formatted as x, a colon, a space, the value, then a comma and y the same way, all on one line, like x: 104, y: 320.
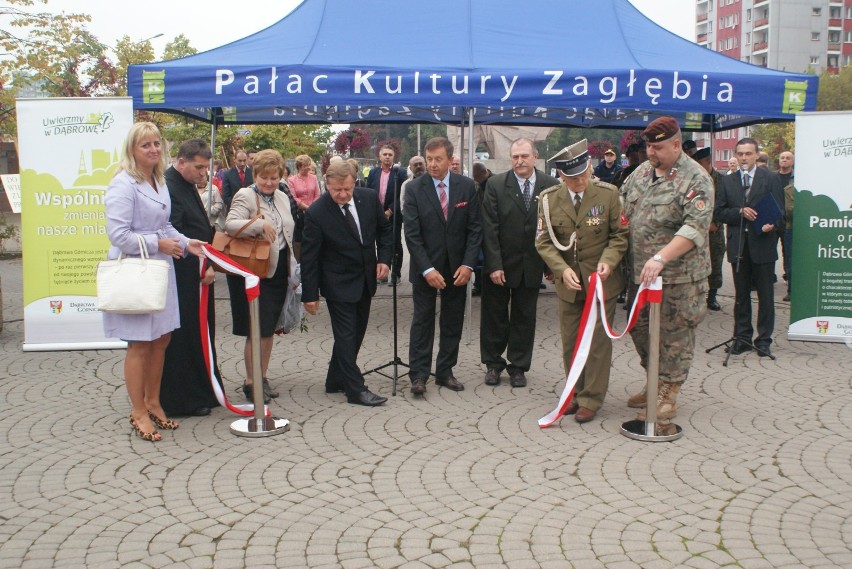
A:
x: 659, y: 259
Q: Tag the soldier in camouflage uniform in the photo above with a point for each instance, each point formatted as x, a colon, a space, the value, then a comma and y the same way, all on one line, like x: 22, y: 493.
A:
x: 717, y: 232
x: 669, y: 203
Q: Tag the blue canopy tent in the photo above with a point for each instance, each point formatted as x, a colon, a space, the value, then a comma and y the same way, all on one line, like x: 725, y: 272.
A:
x: 603, y: 64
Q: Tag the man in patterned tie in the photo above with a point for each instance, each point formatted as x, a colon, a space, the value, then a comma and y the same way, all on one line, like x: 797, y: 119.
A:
x: 513, y: 268
x: 581, y: 230
x: 443, y: 234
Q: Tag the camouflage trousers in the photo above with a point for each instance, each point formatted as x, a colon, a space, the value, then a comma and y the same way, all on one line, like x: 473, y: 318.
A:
x: 717, y: 257
x: 683, y: 308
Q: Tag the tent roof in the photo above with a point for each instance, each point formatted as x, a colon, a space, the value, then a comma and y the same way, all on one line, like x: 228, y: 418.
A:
x: 604, y: 64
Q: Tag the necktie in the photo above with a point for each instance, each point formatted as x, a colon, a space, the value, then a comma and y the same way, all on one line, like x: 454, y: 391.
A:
x: 242, y: 177
x: 442, y: 197
x: 747, y: 184
x: 350, y: 221
x: 527, y: 194
x: 577, y: 201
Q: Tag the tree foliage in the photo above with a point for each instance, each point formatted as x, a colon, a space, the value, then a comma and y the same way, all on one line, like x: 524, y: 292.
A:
x: 178, y: 47
x: 835, y: 90
x: 775, y: 138
x: 289, y: 140
x: 354, y: 141
x: 56, y: 52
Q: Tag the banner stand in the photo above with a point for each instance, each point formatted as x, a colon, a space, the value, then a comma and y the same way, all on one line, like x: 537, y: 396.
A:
x: 647, y: 430
x: 258, y: 426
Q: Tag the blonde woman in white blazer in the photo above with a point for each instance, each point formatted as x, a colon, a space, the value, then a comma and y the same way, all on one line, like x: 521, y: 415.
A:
x: 276, y: 225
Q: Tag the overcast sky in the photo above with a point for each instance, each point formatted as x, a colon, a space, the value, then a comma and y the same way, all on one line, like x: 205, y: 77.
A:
x: 211, y: 24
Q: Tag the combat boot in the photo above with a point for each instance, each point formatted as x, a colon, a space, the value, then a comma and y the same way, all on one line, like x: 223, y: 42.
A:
x: 638, y: 400
x: 666, y: 401
x: 712, y: 303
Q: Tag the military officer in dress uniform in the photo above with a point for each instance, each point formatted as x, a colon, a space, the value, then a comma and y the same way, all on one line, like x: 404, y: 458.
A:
x: 669, y: 203
x: 581, y: 230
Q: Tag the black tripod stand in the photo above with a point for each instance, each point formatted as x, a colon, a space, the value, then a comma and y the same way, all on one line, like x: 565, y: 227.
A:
x: 733, y: 341
x: 397, y: 260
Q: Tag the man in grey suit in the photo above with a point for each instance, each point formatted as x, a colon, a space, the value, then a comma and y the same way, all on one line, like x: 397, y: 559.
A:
x: 443, y: 234
x: 513, y: 268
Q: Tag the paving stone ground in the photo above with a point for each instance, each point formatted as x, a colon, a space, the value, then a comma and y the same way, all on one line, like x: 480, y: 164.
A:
x: 761, y: 478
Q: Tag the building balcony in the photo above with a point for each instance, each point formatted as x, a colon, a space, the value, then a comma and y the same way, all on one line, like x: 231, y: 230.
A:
x: 760, y: 3
x: 701, y: 17
x: 834, y: 47
x: 761, y: 23
x: 702, y: 38
x: 835, y: 23
x: 760, y: 46
x: 833, y: 70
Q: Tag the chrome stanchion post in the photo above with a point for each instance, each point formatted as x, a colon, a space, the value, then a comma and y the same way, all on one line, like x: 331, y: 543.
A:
x: 647, y: 430
x: 259, y: 425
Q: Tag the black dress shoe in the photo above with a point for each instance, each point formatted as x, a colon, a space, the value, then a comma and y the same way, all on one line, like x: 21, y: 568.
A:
x: 450, y: 383
x: 333, y: 389
x: 418, y: 386
x: 517, y: 379
x: 492, y: 376
x: 367, y: 398
x: 200, y: 412
x: 713, y: 305
x: 763, y: 351
x: 739, y: 348
x: 620, y: 298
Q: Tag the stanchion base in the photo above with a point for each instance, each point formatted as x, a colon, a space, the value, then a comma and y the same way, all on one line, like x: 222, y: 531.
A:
x: 635, y: 429
x: 269, y: 426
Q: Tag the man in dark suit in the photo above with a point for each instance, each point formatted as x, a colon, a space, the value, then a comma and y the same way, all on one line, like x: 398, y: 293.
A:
x: 185, y: 388
x: 752, y: 251
x: 513, y: 267
x: 342, y: 232
x: 443, y: 233
x: 236, y: 178
x: 387, y: 179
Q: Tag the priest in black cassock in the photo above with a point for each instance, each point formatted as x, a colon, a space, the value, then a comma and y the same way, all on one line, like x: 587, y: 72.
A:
x: 186, y: 386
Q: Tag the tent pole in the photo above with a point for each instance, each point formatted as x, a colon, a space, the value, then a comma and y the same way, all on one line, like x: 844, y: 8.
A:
x: 212, y: 173
x: 468, y: 307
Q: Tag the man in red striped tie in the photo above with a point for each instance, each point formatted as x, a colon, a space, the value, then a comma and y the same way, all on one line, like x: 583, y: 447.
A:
x: 443, y: 234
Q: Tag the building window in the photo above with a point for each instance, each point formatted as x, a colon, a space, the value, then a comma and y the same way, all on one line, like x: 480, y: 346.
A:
x: 847, y: 37
x: 748, y: 38
x: 748, y: 15
x: 834, y: 12
x: 847, y: 60
x: 816, y: 11
x: 834, y: 37
x: 814, y: 36
x: 814, y: 60
x: 849, y: 11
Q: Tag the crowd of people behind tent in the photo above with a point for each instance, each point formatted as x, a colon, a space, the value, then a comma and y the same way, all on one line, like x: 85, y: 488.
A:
x: 665, y: 212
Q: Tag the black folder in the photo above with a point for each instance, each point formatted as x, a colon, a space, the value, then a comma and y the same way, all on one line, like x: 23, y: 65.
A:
x: 768, y: 211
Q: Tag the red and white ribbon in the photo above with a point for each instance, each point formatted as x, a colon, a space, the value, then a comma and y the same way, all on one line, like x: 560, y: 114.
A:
x: 595, y: 305
x: 252, y: 292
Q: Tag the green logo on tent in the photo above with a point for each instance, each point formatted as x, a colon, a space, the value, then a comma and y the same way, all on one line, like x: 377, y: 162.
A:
x: 693, y: 120
x: 795, y: 93
x: 154, y: 87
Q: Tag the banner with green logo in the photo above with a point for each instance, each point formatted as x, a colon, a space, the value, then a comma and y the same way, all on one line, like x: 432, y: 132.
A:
x: 68, y: 151
x: 821, y: 289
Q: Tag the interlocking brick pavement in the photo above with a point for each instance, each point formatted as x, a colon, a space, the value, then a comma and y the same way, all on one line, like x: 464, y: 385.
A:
x: 761, y: 478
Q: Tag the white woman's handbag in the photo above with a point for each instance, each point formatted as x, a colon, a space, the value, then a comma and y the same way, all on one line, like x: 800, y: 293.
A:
x: 133, y: 285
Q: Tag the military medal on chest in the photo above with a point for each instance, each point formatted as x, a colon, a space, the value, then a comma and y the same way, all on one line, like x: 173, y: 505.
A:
x: 594, y: 216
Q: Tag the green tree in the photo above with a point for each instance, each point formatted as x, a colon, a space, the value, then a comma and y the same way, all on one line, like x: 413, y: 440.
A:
x: 130, y: 52
x: 57, y: 51
x: 775, y: 138
x: 835, y: 91
x: 178, y: 47
x: 290, y: 140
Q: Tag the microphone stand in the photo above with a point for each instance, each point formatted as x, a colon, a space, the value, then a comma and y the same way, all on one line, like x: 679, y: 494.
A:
x: 733, y: 340
x: 396, y: 224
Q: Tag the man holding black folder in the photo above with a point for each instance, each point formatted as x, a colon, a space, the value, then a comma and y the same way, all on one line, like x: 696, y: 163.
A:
x: 750, y: 203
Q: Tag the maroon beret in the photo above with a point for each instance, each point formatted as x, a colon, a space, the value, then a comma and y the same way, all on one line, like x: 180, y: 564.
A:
x: 660, y: 129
